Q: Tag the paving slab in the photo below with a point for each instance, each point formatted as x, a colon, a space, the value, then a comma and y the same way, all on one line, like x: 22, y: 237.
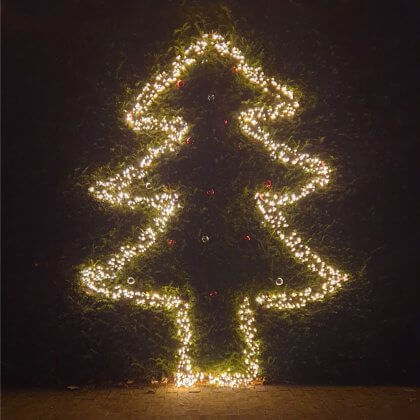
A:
x: 169, y: 402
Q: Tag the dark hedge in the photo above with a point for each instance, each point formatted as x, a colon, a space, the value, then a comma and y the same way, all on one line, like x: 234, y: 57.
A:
x: 71, y: 71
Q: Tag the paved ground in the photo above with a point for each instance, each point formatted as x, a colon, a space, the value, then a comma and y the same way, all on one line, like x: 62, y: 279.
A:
x: 279, y: 402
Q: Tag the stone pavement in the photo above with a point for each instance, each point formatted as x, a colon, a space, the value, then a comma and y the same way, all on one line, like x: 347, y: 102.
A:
x: 166, y: 402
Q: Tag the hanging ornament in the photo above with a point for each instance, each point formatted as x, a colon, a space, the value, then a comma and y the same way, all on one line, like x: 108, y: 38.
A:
x: 171, y: 242
x: 189, y: 140
x: 213, y: 293
x: 148, y: 185
x: 210, y: 192
x: 235, y: 69
x: 211, y: 97
x: 225, y: 122
x: 247, y: 237
x: 205, y: 239
x: 279, y: 281
x: 268, y: 183
x: 180, y: 84
x: 131, y: 280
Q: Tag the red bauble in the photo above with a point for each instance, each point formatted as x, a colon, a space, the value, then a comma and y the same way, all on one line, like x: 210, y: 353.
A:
x: 247, y: 237
x: 180, y: 83
x: 171, y: 242
x: 189, y: 140
x: 213, y: 293
x: 210, y: 192
x: 268, y: 183
x: 225, y: 122
x: 235, y: 69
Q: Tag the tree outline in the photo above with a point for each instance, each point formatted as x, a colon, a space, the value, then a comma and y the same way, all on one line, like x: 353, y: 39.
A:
x: 252, y: 122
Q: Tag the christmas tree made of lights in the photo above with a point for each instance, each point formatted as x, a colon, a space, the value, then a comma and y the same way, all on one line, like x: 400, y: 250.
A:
x: 279, y: 103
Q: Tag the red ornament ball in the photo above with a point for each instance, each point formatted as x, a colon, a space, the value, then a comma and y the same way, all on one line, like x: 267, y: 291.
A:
x: 180, y: 83
x: 189, y: 140
x: 225, y: 122
x: 268, y: 183
x: 171, y: 242
x: 247, y: 237
x: 213, y: 293
x: 235, y: 69
x: 210, y: 192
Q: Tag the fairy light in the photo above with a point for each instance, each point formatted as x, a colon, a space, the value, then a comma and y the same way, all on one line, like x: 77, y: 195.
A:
x: 118, y: 191
x: 270, y: 205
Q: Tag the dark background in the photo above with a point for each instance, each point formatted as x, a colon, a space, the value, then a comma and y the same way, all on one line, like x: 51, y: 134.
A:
x: 70, y: 69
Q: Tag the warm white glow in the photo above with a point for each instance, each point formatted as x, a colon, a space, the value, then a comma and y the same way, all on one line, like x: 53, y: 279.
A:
x: 117, y: 191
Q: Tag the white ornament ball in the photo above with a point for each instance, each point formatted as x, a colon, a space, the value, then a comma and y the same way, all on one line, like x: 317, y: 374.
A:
x: 279, y: 281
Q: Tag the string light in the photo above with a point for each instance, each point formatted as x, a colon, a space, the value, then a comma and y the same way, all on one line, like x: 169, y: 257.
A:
x: 117, y: 191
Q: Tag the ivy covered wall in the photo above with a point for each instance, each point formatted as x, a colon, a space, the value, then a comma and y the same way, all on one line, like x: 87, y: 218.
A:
x: 72, y: 71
